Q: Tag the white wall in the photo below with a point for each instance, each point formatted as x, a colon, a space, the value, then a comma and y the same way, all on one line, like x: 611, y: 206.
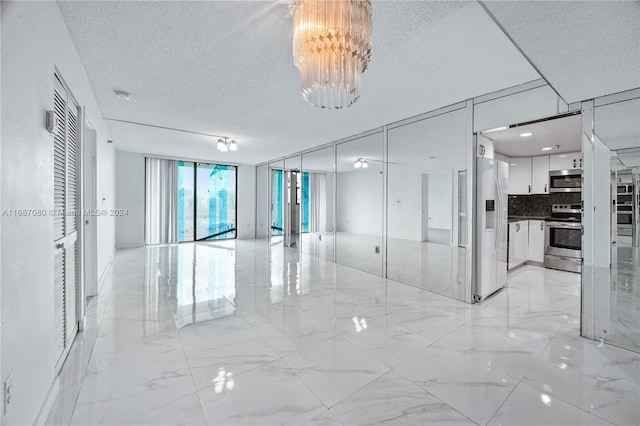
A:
x: 246, y: 207
x: 262, y: 202
x: 130, y: 175
x: 440, y: 199
x: 360, y: 201
x: 35, y: 42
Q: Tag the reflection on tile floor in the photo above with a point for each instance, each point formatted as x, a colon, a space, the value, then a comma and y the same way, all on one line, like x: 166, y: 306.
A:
x: 241, y: 332
x: 430, y: 265
x: 624, y: 329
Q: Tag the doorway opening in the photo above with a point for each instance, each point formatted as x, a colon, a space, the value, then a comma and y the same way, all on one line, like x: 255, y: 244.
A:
x: 437, y: 206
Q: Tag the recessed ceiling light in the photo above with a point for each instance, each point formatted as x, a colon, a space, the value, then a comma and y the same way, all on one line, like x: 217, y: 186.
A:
x: 121, y: 94
x: 562, y: 156
x: 547, y: 148
x: 526, y: 134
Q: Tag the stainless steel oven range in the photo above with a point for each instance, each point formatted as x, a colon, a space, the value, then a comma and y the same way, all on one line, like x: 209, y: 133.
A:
x: 563, y: 238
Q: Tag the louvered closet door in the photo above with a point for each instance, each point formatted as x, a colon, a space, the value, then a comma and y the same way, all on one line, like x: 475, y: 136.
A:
x: 65, y: 222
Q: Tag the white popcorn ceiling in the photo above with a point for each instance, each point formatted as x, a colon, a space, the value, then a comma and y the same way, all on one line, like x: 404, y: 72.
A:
x: 226, y: 68
x: 584, y: 49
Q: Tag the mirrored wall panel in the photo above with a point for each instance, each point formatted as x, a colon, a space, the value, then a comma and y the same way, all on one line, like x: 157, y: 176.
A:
x: 359, y: 220
x: 317, y: 223
x: 292, y: 201
x: 277, y: 187
x: 262, y: 202
x: 612, y: 265
x: 426, y: 159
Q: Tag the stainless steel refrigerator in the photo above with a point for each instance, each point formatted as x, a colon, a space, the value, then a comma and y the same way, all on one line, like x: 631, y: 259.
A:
x: 491, y: 221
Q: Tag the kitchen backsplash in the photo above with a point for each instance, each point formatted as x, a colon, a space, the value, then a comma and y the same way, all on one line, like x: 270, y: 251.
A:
x: 540, y: 205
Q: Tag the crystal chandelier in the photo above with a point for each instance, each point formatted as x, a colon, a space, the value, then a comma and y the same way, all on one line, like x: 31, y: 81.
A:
x: 331, y: 48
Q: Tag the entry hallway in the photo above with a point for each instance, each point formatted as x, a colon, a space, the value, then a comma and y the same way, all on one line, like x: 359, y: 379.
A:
x: 238, y: 332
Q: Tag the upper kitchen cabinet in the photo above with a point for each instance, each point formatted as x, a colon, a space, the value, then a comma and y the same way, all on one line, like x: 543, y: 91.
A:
x: 540, y: 175
x: 566, y: 161
x: 520, y: 176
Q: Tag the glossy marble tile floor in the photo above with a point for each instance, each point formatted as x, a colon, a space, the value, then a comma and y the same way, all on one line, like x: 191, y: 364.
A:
x: 239, y: 332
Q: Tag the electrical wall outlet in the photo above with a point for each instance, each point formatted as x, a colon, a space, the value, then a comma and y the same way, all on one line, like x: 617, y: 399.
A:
x: 7, y: 394
x: 377, y: 249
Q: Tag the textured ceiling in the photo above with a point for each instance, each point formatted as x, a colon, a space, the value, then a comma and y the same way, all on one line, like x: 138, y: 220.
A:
x: 584, y: 49
x: 618, y: 124
x: 225, y: 68
x: 566, y: 132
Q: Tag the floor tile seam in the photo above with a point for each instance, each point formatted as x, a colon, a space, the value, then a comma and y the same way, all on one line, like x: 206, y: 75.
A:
x: 433, y: 294
x: 582, y: 364
x: 358, y: 389
x: 373, y: 317
x: 400, y: 326
x: 124, y: 364
x: 333, y: 333
x: 536, y: 388
x: 248, y: 370
x: 449, y: 332
x: 479, y: 365
x: 128, y: 416
x: 97, y: 331
x: 535, y: 353
x: 503, y: 401
x: 367, y: 351
x: 193, y: 382
x: 77, y: 395
x: 301, y: 380
x: 395, y: 370
x: 563, y: 298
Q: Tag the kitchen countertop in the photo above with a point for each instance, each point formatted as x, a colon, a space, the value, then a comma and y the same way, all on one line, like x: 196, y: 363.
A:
x: 517, y: 218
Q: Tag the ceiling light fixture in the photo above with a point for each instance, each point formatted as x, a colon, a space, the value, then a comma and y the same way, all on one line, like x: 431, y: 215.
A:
x: 495, y: 129
x: 332, y: 48
x: 526, y: 134
x: 547, y: 148
x: 121, y: 94
x: 225, y: 145
x: 361, y: 162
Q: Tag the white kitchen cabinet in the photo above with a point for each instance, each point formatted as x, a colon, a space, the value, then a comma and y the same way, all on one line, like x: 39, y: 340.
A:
x: 520, y: 176
x: 566, y: 161
x: 536, y: 241
x: 540, y: 175
x: 518, y: 243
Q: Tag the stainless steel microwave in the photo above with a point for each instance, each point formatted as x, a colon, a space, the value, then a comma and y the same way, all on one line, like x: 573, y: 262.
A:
x: 565, y: 180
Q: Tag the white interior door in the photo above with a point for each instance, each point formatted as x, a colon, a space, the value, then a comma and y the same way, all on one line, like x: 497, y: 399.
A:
x: 65, y: 220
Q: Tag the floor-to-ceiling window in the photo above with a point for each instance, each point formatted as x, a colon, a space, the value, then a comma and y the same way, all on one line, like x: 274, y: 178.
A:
x: 206, y: 201
x: 305, y: 202
x: 277, y: 195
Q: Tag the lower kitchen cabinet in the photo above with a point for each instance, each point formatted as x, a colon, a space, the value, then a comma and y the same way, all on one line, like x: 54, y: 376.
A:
x: 536, y: 241
x: 518, y: 243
